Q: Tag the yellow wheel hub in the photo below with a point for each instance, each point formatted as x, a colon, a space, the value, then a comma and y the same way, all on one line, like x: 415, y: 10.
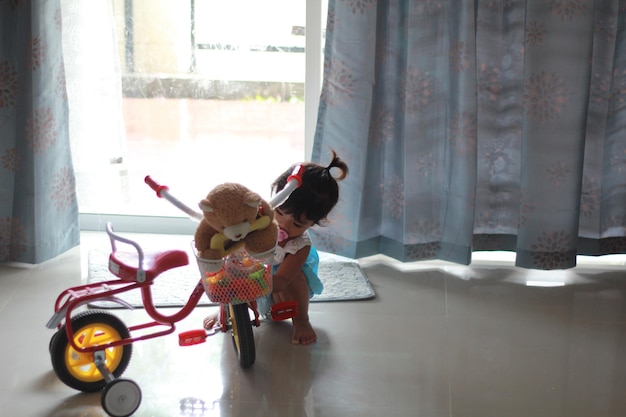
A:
x: 81, y: 365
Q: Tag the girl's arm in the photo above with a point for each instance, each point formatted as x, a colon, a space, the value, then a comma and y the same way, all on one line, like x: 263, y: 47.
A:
x: 289, y: 268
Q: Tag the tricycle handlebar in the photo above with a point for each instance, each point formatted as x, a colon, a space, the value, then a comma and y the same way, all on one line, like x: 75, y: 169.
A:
x: 293, y: 181
x: 155, y: 185
x: 163, y: 191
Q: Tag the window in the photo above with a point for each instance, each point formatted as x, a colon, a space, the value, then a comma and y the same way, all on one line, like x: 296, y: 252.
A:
x: 211, y: 91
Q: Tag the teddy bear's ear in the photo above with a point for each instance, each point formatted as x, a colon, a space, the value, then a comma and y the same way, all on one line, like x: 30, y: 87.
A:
x: 204, y: 206
x: 252, y: 199
x: 254, y: 203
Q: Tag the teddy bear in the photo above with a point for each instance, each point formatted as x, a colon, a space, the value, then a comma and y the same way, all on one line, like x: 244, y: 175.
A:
x: 234, y: 218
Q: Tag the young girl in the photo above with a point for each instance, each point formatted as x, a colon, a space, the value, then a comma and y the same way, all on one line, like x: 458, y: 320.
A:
x: 296, y: 260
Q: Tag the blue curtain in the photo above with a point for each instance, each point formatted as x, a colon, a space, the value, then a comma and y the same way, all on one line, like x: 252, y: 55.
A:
x: 476, y: 125
x: 38, y: 207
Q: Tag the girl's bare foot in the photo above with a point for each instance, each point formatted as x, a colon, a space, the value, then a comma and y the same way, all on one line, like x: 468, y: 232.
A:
x: 209, y: 322
x: 303, y: 333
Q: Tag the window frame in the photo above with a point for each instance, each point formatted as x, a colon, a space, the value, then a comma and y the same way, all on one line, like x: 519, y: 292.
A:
x: 312, y: 88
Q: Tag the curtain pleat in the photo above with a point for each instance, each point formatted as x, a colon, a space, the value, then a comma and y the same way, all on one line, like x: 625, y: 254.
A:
x: 472, y: 126
x: 38, y: 207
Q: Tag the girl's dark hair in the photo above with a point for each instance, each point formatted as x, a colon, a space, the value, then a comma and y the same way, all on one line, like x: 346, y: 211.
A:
x: 319, y: 191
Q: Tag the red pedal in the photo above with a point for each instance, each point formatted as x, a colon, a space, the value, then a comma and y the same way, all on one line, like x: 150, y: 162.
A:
x: 192, y: 337
x: 283, y: 311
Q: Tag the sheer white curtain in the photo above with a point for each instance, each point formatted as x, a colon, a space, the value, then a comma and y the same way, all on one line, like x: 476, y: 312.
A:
x: 94, y: 90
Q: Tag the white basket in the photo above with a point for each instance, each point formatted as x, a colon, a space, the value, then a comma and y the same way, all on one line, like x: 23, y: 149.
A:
x: 238, y: 278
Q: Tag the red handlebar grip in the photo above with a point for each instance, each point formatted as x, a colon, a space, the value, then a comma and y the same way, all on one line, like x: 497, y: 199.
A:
x: 296, y: 174
x: 155, y: 185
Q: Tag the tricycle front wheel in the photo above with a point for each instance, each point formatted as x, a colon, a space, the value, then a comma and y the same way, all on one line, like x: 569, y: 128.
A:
x: 241, y: 331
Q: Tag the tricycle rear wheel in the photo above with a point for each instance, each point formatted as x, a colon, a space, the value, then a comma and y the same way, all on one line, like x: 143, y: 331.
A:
x: 121, y: 398
x: 90, y: 328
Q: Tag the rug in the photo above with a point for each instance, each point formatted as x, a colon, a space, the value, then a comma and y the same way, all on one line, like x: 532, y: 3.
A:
x: 343, y: 278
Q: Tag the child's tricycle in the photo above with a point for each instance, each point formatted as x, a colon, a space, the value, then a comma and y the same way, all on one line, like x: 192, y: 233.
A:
x: 92, y: 348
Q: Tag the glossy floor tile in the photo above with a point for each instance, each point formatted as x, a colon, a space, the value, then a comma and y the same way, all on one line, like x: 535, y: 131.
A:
x: 439, y: 340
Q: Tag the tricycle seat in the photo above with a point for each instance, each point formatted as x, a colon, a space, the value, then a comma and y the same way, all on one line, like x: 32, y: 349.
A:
x: 125, y: 265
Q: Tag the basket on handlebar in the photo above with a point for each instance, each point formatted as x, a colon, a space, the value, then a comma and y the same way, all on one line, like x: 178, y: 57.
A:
x: 238, y: 278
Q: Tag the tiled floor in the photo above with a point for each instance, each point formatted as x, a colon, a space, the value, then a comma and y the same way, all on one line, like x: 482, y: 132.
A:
x: 439, y: 340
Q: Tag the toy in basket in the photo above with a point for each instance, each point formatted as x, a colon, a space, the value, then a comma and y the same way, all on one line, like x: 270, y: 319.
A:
x: 242, y: 278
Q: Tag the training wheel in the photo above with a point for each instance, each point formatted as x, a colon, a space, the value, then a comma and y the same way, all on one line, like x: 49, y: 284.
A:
x: 121, y: 398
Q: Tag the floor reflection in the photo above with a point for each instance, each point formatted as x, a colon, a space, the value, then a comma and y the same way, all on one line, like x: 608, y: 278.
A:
x: 439, y: 340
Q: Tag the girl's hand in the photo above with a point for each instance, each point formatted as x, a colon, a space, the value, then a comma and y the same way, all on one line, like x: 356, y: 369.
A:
x: 289, y: 268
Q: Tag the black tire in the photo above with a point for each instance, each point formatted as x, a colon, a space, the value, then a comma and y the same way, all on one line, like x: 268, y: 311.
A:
x: 241, y: 331
x: 121, y: 398
x: 78, y: 370
x: 53, y: 338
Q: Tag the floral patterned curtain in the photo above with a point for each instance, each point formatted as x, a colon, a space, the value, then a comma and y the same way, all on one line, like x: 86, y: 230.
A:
x: 476, y: 125
x: 38, y: 207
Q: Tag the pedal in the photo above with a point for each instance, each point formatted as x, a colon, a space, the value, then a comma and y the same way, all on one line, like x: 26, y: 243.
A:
x: 192, y: 337
x: 283, y: 311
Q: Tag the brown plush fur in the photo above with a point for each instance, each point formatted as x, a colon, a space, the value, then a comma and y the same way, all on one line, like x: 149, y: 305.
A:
x: 230, y: 206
